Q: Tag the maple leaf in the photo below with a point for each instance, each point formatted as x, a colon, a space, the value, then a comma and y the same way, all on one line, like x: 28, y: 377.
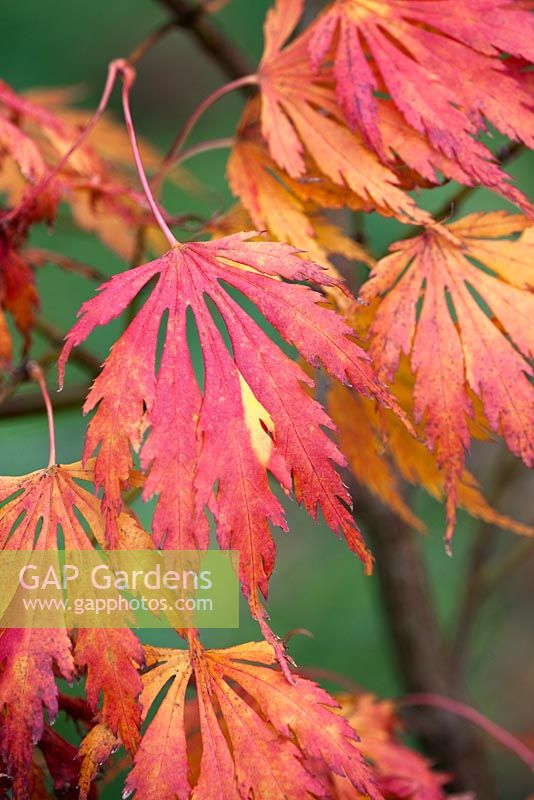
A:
x: 459, y: 347
x: 380, y: 450
x: 288, y: 209
x: 400, y: 773
x: 440, y: 64
x: 93, y: 181
x: 51, y: 496
x: 254, y: 737
x: 28, y: 688
x: 253, y: 415
x: 33, y: 508
x: 112, y: 657
x: 300, y: 117
x: 94, y: 750
x: 18, y: 296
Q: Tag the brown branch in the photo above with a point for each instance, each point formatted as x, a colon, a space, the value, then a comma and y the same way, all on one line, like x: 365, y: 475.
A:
x: 475, y: 587
x: 151, y: 41
x: 27, y: 404
x: 418, y: 644
x: 38, y: 257
x: 521, y: 555
x: 55, y: 336
x: 199, y: 24
x: 21, y: 375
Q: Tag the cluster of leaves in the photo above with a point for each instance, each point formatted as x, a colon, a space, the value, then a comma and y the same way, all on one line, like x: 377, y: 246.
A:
x: 363, y: 106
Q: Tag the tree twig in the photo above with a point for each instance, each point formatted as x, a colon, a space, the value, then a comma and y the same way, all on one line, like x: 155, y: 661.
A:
x: 497, y: 732
x: 418, y: 644
x: 55, y: 336
x: 223, y: 52
x: 151, y: 41
x: 26, y: 404
x: 20, y: 375
x: 474, y: 584
x: 494, y: 575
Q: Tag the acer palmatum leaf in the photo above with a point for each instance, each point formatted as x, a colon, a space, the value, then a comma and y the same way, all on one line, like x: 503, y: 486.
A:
x: 18, y: 297
x: 380, y: 451
x: 114, y: 677
x: 400, y: 773
x: 94, y: 750
x: 256, y: 728
x: 34, y: 508
x: 440, y: 63
x: 300, y: 120
x: 471, y: 350
x: 289, y: 210
x: 29, y: 660
x: 254, y: 415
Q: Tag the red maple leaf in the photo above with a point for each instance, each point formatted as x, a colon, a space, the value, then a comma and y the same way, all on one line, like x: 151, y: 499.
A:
x: 439, y: 63
x: 301, y: 119
x: 253, y: 415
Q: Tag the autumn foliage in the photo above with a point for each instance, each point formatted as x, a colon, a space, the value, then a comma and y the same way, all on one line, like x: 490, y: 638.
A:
x: 368, y: 101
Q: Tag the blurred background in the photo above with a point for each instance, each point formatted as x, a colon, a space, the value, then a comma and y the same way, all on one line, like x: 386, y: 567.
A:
x: 317, y: 584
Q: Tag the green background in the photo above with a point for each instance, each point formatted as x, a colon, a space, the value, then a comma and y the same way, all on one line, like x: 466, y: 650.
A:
x: 317, y: 584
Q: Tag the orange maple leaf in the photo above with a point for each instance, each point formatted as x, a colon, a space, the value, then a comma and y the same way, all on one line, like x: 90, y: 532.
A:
x: 440, y: 64
x: 380, y: 451
x: 256, y: 730
x: 400, y: 773
x: 290, y: 210
x: 300, y: 119
x: 453, y: 342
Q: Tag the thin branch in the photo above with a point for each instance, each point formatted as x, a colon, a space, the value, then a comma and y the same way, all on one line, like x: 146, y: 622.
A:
x: 199, y: 24
x: 320, y: 674
x: 38, y: 257
x: 27, y: 404
x: 55, y: 336
x: 520, y: 556
x: 474, y: 587
x: 151, y: 41
x: 19, y: 375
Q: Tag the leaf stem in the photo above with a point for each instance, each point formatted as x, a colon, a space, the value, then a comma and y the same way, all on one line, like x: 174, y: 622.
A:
x: 204, y: 147
x: 36, y: 373
x: 181, y: 138
x: 504, y: 737
x: 128, y: 76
